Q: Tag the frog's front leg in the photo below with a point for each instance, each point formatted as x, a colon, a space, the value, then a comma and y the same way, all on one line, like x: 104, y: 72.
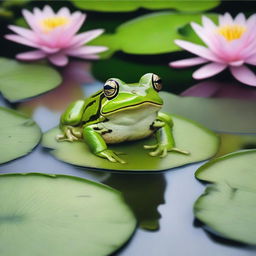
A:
x: 92, y: 135
x: 164, y: 136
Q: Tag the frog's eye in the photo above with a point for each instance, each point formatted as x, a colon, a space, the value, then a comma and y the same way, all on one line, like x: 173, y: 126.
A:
x: 156, y: 82
x: 110, y: 89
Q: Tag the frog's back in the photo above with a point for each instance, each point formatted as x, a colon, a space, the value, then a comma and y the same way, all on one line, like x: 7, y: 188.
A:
x: 92, y: 107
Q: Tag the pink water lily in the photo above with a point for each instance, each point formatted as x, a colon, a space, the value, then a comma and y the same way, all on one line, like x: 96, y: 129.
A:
x: 231, y: 43
x: 54, y: 36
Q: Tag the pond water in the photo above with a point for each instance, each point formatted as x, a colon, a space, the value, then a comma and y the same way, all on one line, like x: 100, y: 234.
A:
x: 162, y: 202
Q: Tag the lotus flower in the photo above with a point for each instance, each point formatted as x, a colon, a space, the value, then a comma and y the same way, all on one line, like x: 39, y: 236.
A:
x: 231, y: 44
x: 54, y: 36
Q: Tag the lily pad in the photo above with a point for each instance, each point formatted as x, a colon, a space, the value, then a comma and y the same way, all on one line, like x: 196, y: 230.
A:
x: 127, y: 6
x: 228, y: 206
x: 190, y: 136
x: 61, y: 215
x: 222, y: 115
x: 152, y: 33
x: 19, y: 81
x: 18, y: 135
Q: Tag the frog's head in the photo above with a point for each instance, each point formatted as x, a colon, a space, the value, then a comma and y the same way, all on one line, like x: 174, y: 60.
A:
x: 120, y: 96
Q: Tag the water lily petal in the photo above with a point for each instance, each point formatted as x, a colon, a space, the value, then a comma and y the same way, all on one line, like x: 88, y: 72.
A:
x: 208, y: 23
x: 59, y: 59
x: 64, y: 11
x: 85, y: 37
x: 21, y: 40
x: 251, y: 60
x: 236, y: 63
x: 31, y: 20
x: 187, y: 62
x: 86, y: 50
x: 244, y: 75
x: 47, y: 10
x: 27, y: 33
x: 240, y: 19
x: 89, y: 57
x: 225, y: 19
x: 209, y: 70
x: 31, y: 55
x: 198, y: 50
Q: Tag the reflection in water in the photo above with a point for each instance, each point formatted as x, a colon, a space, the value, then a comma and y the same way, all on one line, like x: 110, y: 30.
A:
x: 143, y: 193
x: 74, y: 75
x: 235, y: 142
x: 216, y: 89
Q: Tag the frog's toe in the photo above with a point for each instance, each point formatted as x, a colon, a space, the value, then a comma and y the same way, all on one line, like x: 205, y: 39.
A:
x: 111, y: 156
x: 150, y: 146
x: 157, y: 152
x: 184, y: 152
x: 60, y: 137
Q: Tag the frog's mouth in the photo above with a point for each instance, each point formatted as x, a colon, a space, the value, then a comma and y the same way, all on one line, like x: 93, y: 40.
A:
x: 131, y: 107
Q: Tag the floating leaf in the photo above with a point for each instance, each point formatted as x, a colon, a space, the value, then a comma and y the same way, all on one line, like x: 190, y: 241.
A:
x: 228, y: 207
x: 18, y: 135
x: 61, y: 215
x: 200, y: 142
x: 126, y: 5
x: 223, y: 115
x: 19, y: 81
x: 152, y: 33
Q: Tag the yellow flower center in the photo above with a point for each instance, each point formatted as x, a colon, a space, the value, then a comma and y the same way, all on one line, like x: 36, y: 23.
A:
x: 49, y: 24
x: 231, y: 32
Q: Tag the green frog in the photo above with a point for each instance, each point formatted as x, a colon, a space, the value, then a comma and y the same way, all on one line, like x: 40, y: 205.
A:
x: 120, y: 112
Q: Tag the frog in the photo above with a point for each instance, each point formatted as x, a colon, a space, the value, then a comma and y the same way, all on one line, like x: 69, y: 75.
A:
x: 118, y: 113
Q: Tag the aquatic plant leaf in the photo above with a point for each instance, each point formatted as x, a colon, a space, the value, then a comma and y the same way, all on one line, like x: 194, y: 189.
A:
x: 152, y: 33
x: 228, y: 206
x: 127, y: 6
x: 19, y: 81
x: 61, y: 215
x: 18, y: 135
x: 199, y: 141
x: 222, y: 115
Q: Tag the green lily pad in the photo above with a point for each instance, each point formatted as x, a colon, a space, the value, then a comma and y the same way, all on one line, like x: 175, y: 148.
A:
x: 19, y: 81
x: 228, y: 206
x: 61, y: 215
x: 152, y: 33
x: 199, y: 141
x: 127, y: 6
x: 18, y: 135
x: 222, y: 115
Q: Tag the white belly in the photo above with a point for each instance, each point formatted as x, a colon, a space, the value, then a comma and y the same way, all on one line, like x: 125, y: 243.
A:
x: 130, y: 125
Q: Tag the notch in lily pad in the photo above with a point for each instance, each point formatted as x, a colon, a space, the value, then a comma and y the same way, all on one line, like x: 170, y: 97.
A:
x: 227, y: 207
x: 18, y: 136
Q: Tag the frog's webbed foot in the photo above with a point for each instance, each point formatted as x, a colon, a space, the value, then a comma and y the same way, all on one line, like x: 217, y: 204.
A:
x: 111, y: 156
x: 162, y: 150
x: 69, y: 134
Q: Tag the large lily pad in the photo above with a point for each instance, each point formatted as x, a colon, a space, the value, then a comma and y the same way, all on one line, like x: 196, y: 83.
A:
x: 152, y: 33
x: 61, y: 215
x: 18, y: 135
x: 228, y: 207
x: 199, y: 141
x: 19, y: 81
x: 222, y: 115
x: 126, y: 5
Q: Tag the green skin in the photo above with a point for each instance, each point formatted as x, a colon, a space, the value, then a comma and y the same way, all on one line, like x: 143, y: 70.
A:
x: 132, y: 114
